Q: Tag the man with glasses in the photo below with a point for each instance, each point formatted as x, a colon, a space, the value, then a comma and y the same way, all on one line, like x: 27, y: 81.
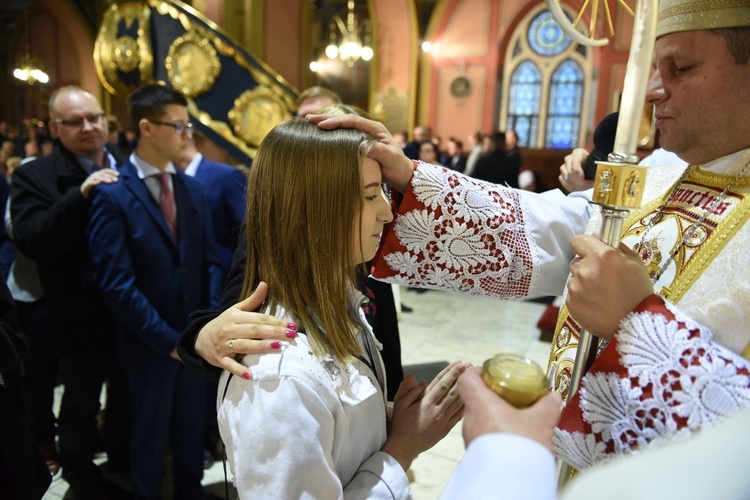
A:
x: 151, y: 239
x: 49, y: 209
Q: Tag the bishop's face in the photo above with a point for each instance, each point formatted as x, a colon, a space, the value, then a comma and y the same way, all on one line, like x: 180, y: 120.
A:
x: 701, y: 96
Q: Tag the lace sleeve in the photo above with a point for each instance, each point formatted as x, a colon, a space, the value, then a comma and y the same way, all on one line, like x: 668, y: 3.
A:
x: 661, y: 377
x: 456, y: 233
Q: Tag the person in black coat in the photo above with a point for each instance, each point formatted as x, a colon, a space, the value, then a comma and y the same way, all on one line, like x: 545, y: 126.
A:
x: 49, y: 211
x: 24, y: 473
x: 456, y: 157
x: 496, y: 166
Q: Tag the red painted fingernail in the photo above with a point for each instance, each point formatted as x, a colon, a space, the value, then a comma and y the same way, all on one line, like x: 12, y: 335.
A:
x: 276, y: 345
x: 246, y: 375
x: 291, y: 334
x: 292, y: 326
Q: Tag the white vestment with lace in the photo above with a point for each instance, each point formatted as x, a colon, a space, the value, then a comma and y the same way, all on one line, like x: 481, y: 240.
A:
x: 456, y: 233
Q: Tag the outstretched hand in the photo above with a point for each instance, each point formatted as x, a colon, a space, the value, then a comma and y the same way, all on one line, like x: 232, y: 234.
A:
x: 423, y: 415
x: 605, y: 285
x: 239, y: 330
x: 486, y: 412
x: 572, y: 177
x: 396, y: 168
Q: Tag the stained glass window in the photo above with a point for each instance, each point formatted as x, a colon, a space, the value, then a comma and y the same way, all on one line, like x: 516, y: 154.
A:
x: 545, y: 36
x: 524, y: 102
x: 565, y: 105
x: 546, y: 83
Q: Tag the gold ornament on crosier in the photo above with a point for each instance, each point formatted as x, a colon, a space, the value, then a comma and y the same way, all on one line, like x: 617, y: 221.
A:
x: 192, y: 64
x: 256, y: 112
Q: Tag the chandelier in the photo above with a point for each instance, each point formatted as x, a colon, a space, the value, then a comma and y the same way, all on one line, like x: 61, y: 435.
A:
x: 29, y: 70
x: 354, y: 41
x: 28, y: 67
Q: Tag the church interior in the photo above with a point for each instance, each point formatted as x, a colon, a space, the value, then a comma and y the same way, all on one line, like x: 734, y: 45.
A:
x: 456, y: 66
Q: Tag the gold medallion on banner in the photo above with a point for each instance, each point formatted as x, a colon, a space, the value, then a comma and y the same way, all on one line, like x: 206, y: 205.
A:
x: 124, y: 60
x: 256, y: 112
x: 192, y: 64
x: 125, y: 54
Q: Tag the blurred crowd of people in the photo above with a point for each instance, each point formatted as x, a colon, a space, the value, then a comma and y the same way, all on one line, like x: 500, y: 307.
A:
x: 493, y: 157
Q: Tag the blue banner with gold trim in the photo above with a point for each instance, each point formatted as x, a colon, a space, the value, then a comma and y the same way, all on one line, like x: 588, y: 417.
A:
x: 234, y: 99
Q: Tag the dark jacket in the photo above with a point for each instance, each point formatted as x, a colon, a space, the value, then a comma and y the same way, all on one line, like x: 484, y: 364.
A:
x: 24, y: 473
x: 49, y: 216
x: 226, y: 190
x: 497, y: 168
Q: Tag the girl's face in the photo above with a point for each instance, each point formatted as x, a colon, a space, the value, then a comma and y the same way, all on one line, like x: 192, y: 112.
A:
x: 376, y: 212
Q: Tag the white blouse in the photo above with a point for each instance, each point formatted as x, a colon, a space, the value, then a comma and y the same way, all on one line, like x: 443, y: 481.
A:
x: 306, y: 427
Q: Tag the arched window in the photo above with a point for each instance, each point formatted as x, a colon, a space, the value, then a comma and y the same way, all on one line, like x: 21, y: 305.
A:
x: 565, y: 105
x: 546, y: 83
x: 523, y: 101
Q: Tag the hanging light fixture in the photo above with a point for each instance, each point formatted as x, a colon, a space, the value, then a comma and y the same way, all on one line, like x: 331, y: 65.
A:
x: 354, y: 42
x: 28, y: 67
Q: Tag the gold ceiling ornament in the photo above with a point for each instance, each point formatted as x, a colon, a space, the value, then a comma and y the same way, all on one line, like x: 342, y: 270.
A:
x: 125, y: 53
x: 118, y: 56
x: 569, y: 27
x: 141, y: 41
x: 192, y: 64
x: 275, y: 85
x: 256, y: 112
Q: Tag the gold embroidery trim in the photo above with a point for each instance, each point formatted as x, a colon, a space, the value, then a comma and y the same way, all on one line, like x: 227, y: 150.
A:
x: 720, y: 236
x: 688, y: 274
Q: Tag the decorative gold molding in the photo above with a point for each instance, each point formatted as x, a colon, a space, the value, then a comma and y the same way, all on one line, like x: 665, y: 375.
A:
x: 215, y: 35
x: 192, y: 64
x: 220, y: 128
x: 114, y: 54
x: 260, y: 107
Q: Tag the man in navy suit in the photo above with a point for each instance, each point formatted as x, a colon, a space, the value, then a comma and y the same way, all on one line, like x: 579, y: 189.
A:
x: 151, y: 238
x: 225, y: 188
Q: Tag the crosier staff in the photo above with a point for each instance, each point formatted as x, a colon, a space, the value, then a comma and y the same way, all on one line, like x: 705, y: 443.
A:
x: 619, y: 181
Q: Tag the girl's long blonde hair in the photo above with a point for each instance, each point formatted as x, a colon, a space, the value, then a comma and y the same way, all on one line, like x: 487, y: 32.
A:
x: 305, y: 195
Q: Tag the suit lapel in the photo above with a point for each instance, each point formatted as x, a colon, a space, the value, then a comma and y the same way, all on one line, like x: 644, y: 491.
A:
x: 70, y: 173
x: 138, y: 188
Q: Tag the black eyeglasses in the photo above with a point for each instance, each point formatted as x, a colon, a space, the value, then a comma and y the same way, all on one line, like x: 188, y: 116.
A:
x: 78, y: 122
x: 179, y: 128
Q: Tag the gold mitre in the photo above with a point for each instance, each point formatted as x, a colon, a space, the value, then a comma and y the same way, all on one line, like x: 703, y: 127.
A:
x: 691, y: 15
